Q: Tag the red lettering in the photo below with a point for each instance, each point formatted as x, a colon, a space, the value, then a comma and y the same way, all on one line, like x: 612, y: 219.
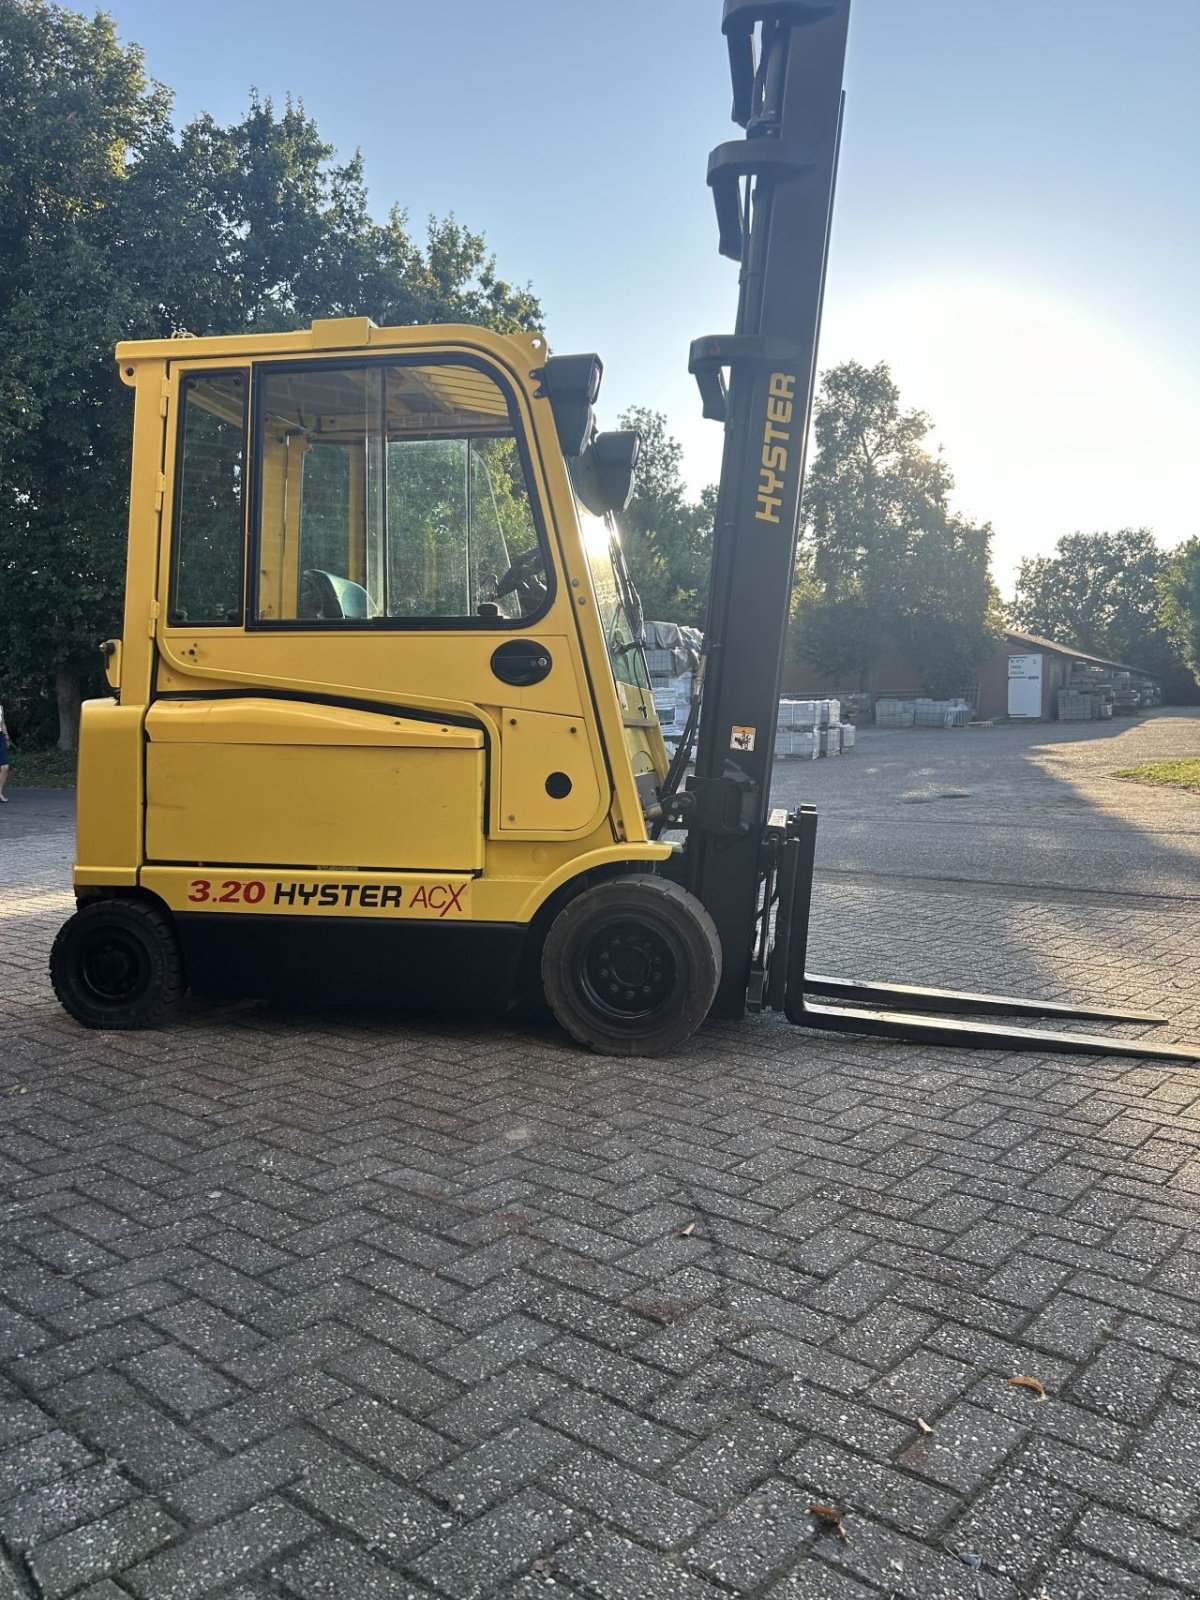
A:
x: 455, y: 901
x: 201, y: 888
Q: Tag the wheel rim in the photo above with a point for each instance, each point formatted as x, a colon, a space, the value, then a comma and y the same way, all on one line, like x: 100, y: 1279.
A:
x: 115, y: 968
x: 630, y: 970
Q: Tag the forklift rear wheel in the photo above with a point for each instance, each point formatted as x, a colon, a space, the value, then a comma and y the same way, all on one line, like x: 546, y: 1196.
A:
x: 631, y: 966
x: 116, y: 964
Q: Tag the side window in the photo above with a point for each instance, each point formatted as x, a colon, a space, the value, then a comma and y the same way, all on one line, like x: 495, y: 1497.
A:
x: 392, y: 492
x: 210, y: 476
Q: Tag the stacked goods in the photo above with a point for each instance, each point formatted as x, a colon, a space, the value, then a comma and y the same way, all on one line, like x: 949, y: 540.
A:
x: 667, y: 706
x: 811, y: 728
x: 1074, y: 706
x: 848, y: 736
x: 809, y: 713
x: 797, y: 742
x: 922, y: 712
x: 673, y: 659
x: 941, y: 713
x: 895, y: 713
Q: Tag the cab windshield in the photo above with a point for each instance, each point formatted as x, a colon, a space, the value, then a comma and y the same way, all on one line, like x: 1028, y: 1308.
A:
x: 620, y: 608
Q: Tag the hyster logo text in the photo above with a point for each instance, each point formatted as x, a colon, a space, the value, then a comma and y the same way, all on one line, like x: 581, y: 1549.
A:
x: 777, y: 441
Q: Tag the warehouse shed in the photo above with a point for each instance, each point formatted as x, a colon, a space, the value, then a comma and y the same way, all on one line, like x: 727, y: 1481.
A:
x: 1023, y: 678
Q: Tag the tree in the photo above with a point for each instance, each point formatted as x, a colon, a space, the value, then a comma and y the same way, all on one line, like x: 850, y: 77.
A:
x: 667, y: 539
x: 113, y: 227
x: 1101, y: 592
x: 1179, y: 603
x: 882, y: 556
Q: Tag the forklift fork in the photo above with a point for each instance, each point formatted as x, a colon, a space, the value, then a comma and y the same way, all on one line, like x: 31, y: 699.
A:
x: 915, y: 1015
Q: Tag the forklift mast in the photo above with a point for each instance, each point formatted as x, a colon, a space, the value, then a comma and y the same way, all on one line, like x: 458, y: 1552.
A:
x: 773, y: 192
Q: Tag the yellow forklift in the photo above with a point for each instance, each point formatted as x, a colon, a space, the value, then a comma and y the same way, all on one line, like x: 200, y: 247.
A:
x: 380, y: 723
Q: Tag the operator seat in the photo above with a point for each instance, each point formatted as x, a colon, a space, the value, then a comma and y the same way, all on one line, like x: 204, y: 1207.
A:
x: 327, y: 597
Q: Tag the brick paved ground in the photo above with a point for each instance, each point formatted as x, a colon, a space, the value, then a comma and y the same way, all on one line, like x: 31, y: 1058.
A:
x: 315, y: 1305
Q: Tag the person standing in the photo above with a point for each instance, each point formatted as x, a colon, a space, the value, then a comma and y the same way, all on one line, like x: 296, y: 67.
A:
x: 3, y: 756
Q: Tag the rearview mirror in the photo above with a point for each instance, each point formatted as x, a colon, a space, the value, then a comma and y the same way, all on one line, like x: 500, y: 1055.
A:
x: 616, y: 456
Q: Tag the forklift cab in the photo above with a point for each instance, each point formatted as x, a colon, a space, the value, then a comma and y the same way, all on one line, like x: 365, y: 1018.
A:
x: 381, y: 709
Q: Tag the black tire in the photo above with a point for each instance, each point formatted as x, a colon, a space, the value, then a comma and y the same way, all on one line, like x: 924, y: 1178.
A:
x: 631, y: 966
x: 116, y: 964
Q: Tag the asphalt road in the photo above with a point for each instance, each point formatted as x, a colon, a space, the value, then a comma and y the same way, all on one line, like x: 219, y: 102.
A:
x: 1031, y: 807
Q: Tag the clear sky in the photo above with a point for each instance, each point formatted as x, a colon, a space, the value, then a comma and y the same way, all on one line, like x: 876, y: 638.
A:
x: 1017, y: 229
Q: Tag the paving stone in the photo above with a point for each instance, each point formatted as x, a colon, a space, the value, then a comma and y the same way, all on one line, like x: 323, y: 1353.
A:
x: 923, y: 1385
x: 1072, y: 1326
x: 268, y: 1363
x: 144, y: 1442
x: 497, y: 1347
x: 36, y: 1515
x: 38, y: 1460
x: 471, y: 1562
x: 377, y: 1511
x: 715, y: 1391
x: 632, y: 1439
x: 210, y: 1332
x: 812, y: 1579
x: 336, y: 1569
x: 497, y: 1468
x: 1018, y: 1522
x: 884, y: 1335
x: 391, y: 1376
x: 21, y: 1419
x: 179, y: 1381
x: 751, y: 1542
x: 846, y: 1422
x: 1111, y: 1483
x: 1169, y: 1449
x: 828, y: 1474
x: 402, y: 1447
x: 640, y: 1506
x: 297, y: 1399
x: 497, y: 1403
x: 620, y: 1378
x: 732, y: 1459
x: 965, y: 1447
x: 235, y: 1482
x: 1088, y: 1577
x: 617, y: 1569
x: 110, y: 1544
x: 214, y: 1556
x: 1141, y: 1545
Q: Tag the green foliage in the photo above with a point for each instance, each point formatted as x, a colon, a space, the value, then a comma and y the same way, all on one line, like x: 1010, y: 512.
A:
x: 1101, y: 592
x: 114, y: 227
x: 883, y: 557
x: 1179, y: 603
x: 667, y: 539
x: 1173, y: 774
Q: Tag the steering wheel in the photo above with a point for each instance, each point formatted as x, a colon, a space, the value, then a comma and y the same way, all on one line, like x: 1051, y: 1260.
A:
x: 524, y: 580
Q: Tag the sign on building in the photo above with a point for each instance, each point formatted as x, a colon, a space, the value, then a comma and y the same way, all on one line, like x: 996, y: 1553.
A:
x: 1025, y: 686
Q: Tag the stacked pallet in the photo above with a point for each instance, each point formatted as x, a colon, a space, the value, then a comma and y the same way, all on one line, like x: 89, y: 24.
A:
x: 922, y: 712
x: 811, y: 728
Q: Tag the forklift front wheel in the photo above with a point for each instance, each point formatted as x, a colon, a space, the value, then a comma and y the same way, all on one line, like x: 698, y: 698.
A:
x: 116, y: 964
x: 631, y: 966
